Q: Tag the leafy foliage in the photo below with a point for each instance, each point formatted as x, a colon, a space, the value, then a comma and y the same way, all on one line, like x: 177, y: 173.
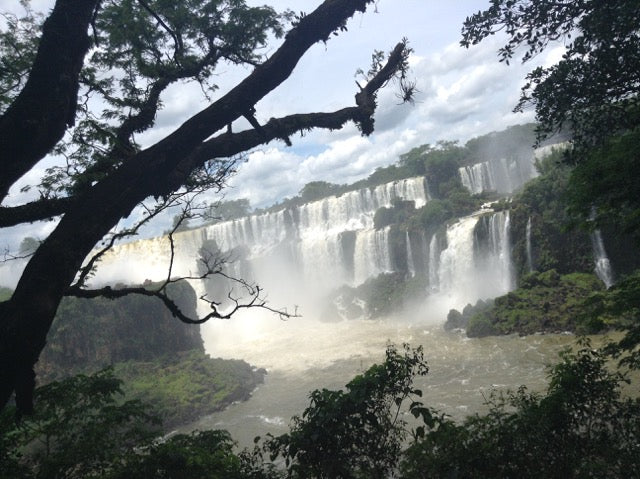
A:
x: 230, y: 210
x: 593, y: 90
x: 89, y: 334
x: 544, y: 302
x: 604, y: 189
x: 155, y: 44
x: 201, y: 454
x: 316, y: 190
x: 356, y: 433
x: 28, y: 245
x: 618, y: 308
x: 18, y: 42
x: 79, y: 430
x: 183, y: 387
x: 399, y: 212
x: 543, y: 202
x: 83, y: 428
x: 581, y: 427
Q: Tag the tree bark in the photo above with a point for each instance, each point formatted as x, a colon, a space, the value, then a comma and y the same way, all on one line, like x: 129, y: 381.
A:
x: 42, y: 209
x: 43, y: 110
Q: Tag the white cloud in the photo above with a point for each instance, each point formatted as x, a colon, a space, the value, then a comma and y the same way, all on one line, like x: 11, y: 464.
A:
x: 268, y: 175
x: 462, y: 93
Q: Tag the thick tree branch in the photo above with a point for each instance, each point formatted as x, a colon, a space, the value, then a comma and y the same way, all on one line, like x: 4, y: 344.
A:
x: 317, y: 26
x: 229, y: 144
x: 40, y: 115
x: 39, y: 210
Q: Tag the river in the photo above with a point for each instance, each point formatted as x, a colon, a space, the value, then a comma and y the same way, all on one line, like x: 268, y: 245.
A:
x: 301, y: 355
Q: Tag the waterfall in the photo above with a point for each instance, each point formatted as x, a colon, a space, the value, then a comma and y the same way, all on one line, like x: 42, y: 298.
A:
x: 411, y: 267
x: 492, y: 254
x: 603, y: 267
x: 372, y: 255
x: 423, y: 264
x: 528, y: 246
x: 455, y: 271
x: 475, y: 264
x: 500, y: 175
x: 302, y: 253
x: 433, y: 266
x: 478, y: 178
x: 311, y: 248
x: 502, y: 248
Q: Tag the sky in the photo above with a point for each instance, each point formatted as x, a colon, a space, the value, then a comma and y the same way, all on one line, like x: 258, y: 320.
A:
x: 462, y: 93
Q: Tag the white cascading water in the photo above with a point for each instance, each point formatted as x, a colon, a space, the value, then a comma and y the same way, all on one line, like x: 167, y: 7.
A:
x: 455, y: 269
x: 603, y: 266
x: 499, y: 175
x: 457, y: 276
x: 411, y: 267
x: 296, y: 253
x: 300, y: 254
x: 372, y: 255
x: 528, y: 246
x: 497, y: 272
x: 434, y: 257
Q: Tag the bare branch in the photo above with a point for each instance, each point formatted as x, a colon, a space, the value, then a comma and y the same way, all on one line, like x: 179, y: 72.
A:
x: 229, y: 143
x: 255, y: 299
x: 90, y: 267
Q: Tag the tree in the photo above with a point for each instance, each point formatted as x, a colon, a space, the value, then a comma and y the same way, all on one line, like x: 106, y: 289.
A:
x: 229, y: 210
x: 138, y: 49
x: 317, y: 190
x: 81, y: 428
x: 201, y: 454
x: 593, y: 90
x: 28, y: 245
x: 603, y: 188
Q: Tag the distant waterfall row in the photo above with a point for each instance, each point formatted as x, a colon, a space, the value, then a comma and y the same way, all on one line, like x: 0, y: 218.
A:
x: 316, y: 247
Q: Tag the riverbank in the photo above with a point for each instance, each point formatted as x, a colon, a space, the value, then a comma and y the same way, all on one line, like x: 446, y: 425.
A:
x: 184, y: 387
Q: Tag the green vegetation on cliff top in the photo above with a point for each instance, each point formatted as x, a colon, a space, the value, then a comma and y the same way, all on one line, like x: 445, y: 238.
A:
x: 186, y: 386
x: 545, y: 302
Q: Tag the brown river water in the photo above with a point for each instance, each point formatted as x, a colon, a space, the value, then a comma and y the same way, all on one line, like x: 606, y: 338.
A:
x: 302, y: 355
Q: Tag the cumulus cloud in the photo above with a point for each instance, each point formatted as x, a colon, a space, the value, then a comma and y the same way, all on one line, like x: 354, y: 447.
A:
x: 268, y: 175
x: 462, y: 93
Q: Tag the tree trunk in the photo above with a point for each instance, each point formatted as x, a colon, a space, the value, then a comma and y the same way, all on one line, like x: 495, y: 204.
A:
x: 40, y: 115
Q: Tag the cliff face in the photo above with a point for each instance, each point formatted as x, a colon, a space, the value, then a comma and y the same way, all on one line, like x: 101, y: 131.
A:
x: 160, y: 359
x: 91, y: 334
